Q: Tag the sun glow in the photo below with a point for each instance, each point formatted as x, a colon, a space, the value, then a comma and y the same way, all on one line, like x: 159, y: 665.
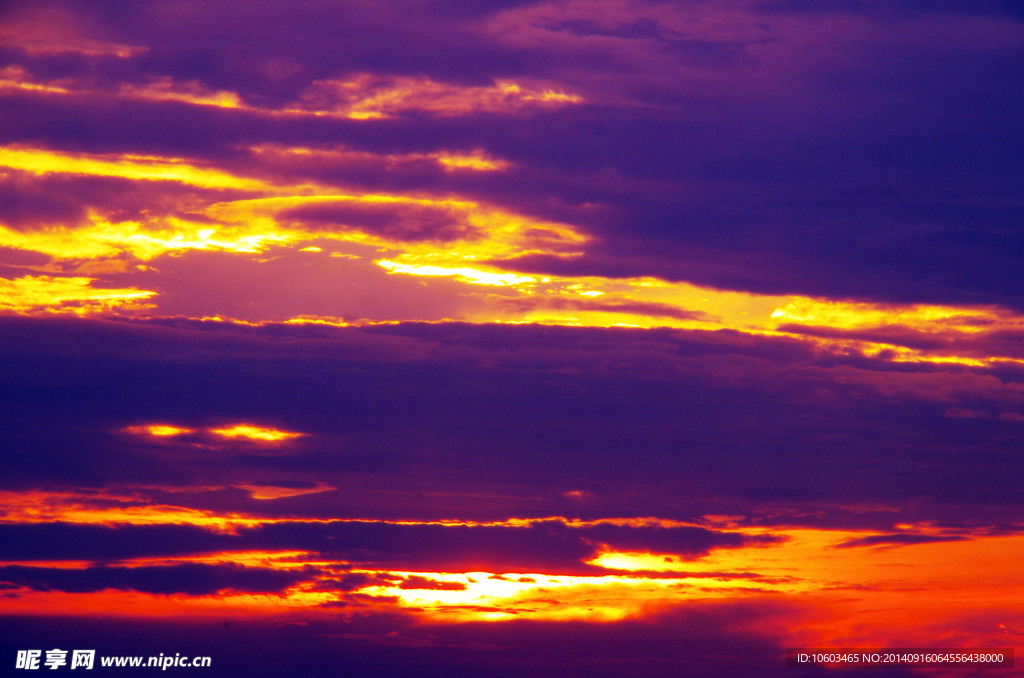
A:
x: 486, y: 596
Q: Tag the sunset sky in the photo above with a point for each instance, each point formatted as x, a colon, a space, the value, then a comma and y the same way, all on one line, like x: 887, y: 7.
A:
x: 511, y: 337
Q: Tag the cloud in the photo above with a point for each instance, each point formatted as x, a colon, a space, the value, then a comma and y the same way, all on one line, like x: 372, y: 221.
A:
x: 549, y: 546
x: 895, y: 540
x: 284, y: 488
x: 355, y: 581
x: 367, y: 97
x: 52, y: 29
x: 688, y: 418
x: 190, y: 578
x: 670, y: 204
x: 647, y: 309
x: 417, y: 582
x: 45, y: 293
x: 892, y: 10
x: 99, y: 543
x: 730, y: 640
x: 401, y: 222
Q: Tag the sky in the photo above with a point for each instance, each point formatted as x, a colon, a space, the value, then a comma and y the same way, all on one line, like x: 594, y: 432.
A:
x: 511, y: 338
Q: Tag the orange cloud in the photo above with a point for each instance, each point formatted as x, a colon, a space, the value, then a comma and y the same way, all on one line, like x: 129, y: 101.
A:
x: 156, y: 89
x: 17, y: 78
x: 127, y: 166
x: 267, y: 492
x: 160, y: 430
x: 361, y: 97
x: 472, y: 245
x: 191, y: 92
x: 367, y: 96
x: 255, y: 433
x: 99, y: 239
x: 302, y: 157
x: 238, y: 431
x: 76, y: 295
x: 110, y: 508
x: 865, y: 585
